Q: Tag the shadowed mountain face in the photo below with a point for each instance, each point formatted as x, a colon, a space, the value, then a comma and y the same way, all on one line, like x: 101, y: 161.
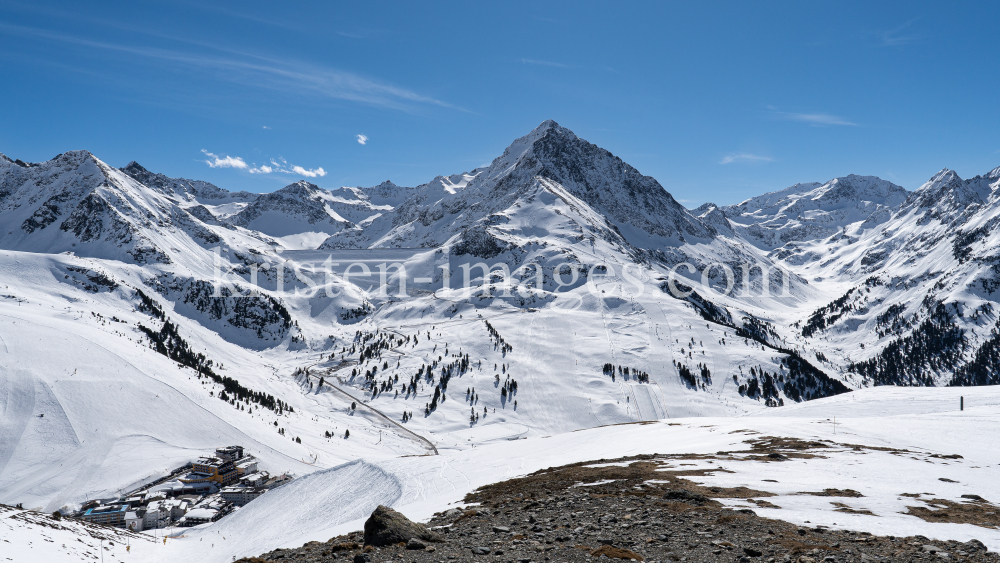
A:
x: 614, y: 200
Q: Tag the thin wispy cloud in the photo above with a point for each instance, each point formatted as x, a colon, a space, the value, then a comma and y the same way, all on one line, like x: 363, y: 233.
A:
x: 243, y: 14
x: 898, y: 36
x: 216, y: 161
x: 744, y: 157
x: 281, y: 166
x: 258, y: 71
x: 544, y: 63
x: 266, y: 127
x: 362, y: 139
x: 815, y: 119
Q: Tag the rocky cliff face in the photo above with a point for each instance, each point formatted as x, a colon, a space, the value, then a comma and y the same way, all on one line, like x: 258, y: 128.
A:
x: 613, y: 199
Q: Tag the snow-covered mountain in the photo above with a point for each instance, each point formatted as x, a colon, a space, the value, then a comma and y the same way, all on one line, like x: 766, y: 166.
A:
x: 303, y: 215
x: 158, y: 294
x: 478, y: 208
x: 917, y: 304
x: 76, y: 203
x: 184, y: 190
x: 807, y: 212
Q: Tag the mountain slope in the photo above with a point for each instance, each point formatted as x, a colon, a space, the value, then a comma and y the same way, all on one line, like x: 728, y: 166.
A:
x: 807, y: 212
x: 918, y: 302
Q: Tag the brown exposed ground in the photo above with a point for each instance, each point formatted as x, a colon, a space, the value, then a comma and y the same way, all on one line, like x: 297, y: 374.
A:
x: 974, y: 511
x: 646, y: 508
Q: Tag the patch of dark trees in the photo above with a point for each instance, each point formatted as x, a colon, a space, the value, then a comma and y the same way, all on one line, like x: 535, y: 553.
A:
x: 498, y: 342
x: 803, y: 381
x: 253, y: 311
x: 936, y: 345
x: 827, y: 315
x: 168, y: 341
x: 984, y: 368
x: 694, y: 380
x: 626, y: 372
x: 708, y: 310
x: 358, y: 312
x: 97, y: 280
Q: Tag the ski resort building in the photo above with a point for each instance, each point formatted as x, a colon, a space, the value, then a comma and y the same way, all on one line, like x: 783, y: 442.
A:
x: 212, y: 469
x: 163, y: 513
x: 200, y: 516
x: 246, y: 465
x: 242, y: 495
x: 229, y: 453
x: 110, y: 515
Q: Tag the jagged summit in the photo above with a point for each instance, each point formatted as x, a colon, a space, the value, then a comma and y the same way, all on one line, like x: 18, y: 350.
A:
x: 614, y: 199
x: 298, y: 189
x: 598, y: 177
x: 134, y: 167
x: 946, y: 192
x: 814, y: 211
x: 182, y: 189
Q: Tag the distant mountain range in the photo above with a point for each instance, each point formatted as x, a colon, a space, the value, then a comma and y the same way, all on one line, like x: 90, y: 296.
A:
x: 884, y: 286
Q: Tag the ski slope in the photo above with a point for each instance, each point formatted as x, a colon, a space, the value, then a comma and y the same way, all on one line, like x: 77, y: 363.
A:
x: 924, y: 423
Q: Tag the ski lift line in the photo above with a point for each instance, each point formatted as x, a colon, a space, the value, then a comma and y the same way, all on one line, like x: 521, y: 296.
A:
x: 611, y: 345
x: 361, y: 403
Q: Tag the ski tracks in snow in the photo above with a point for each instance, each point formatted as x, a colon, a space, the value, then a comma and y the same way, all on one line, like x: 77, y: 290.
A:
x: 17, y: 395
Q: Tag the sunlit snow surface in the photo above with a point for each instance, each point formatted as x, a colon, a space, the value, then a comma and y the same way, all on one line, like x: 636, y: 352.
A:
x: 89, y: 410
x: 921, y: 421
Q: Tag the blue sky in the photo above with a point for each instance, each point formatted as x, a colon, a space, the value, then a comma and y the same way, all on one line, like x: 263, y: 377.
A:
x: 717, y: 101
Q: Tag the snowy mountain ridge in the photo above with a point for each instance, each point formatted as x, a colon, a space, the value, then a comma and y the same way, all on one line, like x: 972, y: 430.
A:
x: 185, y: 190
x: 117, y: 269
x: 626, y: 202
x: 807, y: 212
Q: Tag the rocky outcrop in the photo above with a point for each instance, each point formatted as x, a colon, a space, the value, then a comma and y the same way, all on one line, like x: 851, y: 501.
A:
x: 387, y: 527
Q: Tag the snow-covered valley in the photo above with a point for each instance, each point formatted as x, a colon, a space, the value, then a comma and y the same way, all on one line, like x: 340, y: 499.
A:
x: 404, y: 346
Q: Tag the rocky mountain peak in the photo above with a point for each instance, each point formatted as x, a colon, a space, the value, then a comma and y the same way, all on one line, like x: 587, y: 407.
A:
x: 180, y: 188
x: 854, y: 186
x: 814, y: 211
x: 302, y: 189
x: 602, y: 180
x: 144, y: 176
x: 945, y: 192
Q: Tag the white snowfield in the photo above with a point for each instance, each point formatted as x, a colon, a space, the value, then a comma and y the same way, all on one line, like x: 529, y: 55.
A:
x: 32, y: 536
x: 920, y: 421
